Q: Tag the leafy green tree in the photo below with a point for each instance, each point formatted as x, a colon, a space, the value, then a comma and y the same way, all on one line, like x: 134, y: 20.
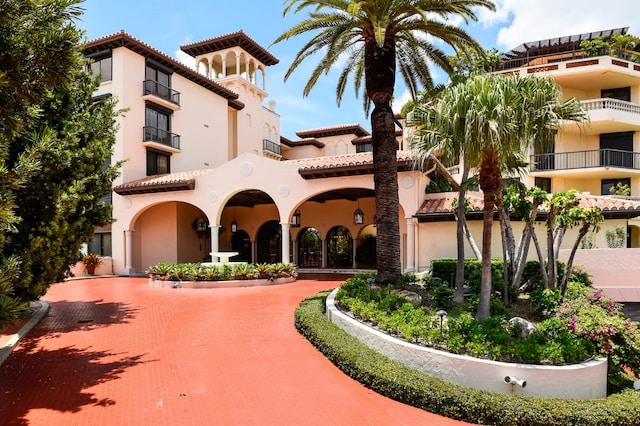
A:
x: 54, y: 143
x: 66, y: 200
x: 496, y: 119
x: 371, y: 39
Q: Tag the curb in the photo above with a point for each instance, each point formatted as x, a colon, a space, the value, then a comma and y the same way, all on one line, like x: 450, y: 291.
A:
x: 15, y: 339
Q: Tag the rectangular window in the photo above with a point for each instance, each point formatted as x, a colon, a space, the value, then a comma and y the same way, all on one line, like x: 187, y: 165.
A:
x: 616, y: 149
x: 607, y: 185
x: 158, y: 82
x: 364, y: 147
x: 158, y: 162
x: 620, y: 93
x: 157, y: 125
x: 100, y: 244
x: 102, y: 67
x: 543, y: 183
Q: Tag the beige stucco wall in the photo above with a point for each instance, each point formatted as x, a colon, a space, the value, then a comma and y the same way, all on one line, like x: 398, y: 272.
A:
x: 438, y: 239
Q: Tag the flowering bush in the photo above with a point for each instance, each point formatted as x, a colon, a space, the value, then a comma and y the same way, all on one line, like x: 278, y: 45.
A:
x: 595, y: 317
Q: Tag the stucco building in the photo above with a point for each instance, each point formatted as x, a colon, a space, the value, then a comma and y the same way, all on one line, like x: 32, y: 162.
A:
x: 208, y: 171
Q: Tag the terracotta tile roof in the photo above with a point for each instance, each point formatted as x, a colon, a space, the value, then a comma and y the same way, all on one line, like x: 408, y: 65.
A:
x: 324, y: 132
x: 367, y: 139
x: 438, y: 207
x: 345, y: 165
x: 238, y: 38
x: 122, y: 39
x: 301, y: 142
x: 180, y: 181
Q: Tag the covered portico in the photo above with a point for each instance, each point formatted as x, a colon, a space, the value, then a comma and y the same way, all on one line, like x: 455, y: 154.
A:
x: 251, y: 202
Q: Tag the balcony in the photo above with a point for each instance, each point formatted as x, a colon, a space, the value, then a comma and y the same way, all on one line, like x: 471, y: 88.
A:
x: 598, y: 158
x: 153, y: 88
x: 271, y: 147
x: 160, y: 138
x: 612, y: 115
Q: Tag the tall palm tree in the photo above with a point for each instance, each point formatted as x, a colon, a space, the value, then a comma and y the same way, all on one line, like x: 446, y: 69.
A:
x: 497, y: 119
x: 370, y: 39
x: 441, y: 130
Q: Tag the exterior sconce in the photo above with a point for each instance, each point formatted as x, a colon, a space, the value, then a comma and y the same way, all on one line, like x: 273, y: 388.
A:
x: 234, y: 226
x: 358, y: 217
x: 295, y: 219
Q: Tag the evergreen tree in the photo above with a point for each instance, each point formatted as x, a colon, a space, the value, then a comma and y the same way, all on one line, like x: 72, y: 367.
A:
x: 55, y: 142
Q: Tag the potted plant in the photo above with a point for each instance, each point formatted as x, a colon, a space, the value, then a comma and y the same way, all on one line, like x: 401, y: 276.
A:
x: 91, y: 260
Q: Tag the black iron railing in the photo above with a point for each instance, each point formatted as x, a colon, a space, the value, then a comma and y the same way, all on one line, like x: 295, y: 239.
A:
x: 153, y: 134
x: 151, y: 87
x: 270, y: 146
x: 586, y: 160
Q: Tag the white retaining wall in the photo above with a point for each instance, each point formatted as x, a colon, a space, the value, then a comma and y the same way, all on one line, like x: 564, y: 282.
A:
x: 579, y: 381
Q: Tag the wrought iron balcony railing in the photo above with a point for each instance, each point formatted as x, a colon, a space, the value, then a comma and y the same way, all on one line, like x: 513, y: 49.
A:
x: 273, y: 147
x: 585, y: 160
x: 151, y: 87
x: 153, y: 134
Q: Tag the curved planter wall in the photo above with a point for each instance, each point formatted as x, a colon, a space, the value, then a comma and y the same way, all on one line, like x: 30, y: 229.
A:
x: 578, y: 381
x: 219, y: 284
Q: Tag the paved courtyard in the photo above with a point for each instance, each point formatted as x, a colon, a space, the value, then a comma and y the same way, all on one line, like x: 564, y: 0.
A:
x: 114, y: 351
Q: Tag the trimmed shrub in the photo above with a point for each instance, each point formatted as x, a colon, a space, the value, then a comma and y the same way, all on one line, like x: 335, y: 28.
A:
x: 404, y: 384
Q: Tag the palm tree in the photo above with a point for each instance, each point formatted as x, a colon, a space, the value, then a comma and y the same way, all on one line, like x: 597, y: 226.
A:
x: 441, y: 130
x: 498, y: 119
x: 370, y: 39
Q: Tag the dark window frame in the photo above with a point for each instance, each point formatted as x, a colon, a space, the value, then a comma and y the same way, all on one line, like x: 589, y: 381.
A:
x: 609, y: 183
x: 153, y: 166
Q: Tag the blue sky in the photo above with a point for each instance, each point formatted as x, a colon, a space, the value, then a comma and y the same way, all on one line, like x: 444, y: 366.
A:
x: 167, y: 24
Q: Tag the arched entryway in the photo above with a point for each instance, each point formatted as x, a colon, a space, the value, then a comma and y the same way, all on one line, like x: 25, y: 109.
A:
x: 339, y: 248
x: 269, y: 243
x: 309, y: 248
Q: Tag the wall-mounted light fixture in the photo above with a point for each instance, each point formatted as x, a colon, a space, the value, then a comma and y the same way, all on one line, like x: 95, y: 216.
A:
x: 358, y: 217
x: 295, y: 219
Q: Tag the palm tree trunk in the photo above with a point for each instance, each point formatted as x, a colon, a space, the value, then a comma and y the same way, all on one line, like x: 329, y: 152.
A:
x: 567, y: 272
x: 490, y: 180
x: 460, y: 213
x: 380, y: 79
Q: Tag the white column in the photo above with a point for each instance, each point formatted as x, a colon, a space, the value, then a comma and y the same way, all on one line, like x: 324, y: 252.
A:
x: 324, y: 253
x: 286, y: 236
x: 411, y: 245
x: 238, y: 64
x: 353, y: 254
x: 264, y: 80
x: 295, y: 259
x: 128, y: 251
x: 215, y: 232
x: 224, y: 66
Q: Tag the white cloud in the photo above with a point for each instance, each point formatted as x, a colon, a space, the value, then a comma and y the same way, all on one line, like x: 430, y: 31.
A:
x: 185, y: 59
x: 541, y: 19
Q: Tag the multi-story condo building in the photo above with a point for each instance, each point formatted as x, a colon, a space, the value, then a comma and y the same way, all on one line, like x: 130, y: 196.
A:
x: 207, y: 171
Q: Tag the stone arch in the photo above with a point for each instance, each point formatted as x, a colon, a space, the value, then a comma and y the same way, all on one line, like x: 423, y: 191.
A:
x: 169, y: 231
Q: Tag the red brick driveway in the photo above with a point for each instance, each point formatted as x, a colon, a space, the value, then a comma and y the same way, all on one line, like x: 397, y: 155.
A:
x: 115, y: 351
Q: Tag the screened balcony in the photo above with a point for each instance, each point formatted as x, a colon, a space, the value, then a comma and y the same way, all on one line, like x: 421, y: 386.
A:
x: 585, y: 160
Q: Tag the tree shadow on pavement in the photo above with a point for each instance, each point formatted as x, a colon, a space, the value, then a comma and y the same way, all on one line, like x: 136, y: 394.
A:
x: 33, y: 378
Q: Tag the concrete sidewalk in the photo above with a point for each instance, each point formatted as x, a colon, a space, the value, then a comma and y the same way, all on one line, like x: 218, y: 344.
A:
x: 115, y: 351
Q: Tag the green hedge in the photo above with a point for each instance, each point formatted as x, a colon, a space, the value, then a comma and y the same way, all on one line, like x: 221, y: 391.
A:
x: 404, y: 384
x: 445, y: 269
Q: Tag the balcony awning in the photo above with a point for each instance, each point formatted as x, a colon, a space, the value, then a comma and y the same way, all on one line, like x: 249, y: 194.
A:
x: 557, y: 44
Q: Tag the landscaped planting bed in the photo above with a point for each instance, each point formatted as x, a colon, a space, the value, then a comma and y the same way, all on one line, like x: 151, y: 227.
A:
x: 404, y: 384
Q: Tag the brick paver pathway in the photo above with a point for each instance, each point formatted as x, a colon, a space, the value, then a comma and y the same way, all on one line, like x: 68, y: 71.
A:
x: 118, y: 352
